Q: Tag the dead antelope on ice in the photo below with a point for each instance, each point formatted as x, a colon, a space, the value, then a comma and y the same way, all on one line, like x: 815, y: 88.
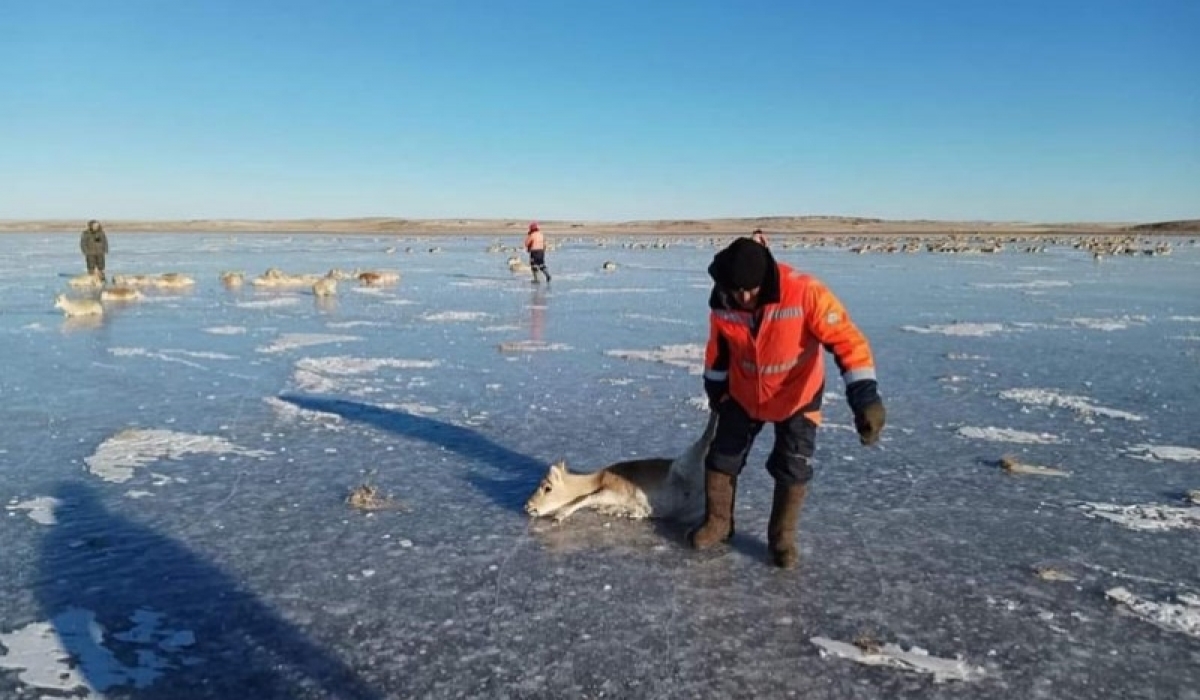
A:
x: 641, y: 488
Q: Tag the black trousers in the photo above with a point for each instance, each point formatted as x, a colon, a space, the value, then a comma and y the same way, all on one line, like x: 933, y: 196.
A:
x: 791, y: 457
x: 537, y: 260
x: 95, y: 263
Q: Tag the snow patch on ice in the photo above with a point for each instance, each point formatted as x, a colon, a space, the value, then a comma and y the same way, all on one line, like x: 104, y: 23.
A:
x: 453, y: 316
x: 1032, y: 284
x: 505, y: 284
x: 1158, y: 453
x: 39, y: 510
x: 353, y: 324
x: 68, y: 654
x: 202, y: 354
x: 499, y: 329
x: 343, y: 365
x: 658, y: 319
x: 1107, y: 324
x: 290, y: 411
x: 1148, y: 517
x: 333, y: 375
x: 688, y: 356
x: 1081, y: 404
x: 165, y: 356
x: 268, y: 303
x: 1008, y: 435
x: 292, y: 341
x: 978, y: 330
x: 118, y: 456
x: 172, y: 355
x: 1185, y: 319
x: 533, y: 346
x: 915, y: 659
x: 416, y: 409
x: 1183, y: 616
x: 316, y: 383
x: 226, y: 330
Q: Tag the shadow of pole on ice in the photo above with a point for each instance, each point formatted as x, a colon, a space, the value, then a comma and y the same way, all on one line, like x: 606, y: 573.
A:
x: 516, y: 474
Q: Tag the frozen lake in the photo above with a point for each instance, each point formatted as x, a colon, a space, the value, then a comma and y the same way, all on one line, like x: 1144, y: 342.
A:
x: 175, y: 477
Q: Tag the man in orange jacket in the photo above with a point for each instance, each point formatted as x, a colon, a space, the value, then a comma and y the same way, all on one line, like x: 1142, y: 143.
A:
x: 764, y: 363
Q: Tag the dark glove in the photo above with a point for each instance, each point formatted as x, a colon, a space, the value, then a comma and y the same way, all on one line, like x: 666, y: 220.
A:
x: 869, y: 422
x: 869, y: 414
x: 717, y: 392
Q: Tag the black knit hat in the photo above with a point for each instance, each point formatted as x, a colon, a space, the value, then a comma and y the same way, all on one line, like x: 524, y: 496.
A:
x: 742, y: 265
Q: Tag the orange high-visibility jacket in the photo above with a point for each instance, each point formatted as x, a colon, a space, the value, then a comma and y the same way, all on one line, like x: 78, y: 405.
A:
x: 535, y: 241
x: 772, y: 356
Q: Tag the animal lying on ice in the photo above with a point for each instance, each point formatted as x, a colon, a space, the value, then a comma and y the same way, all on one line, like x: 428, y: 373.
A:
x: 670, y: 489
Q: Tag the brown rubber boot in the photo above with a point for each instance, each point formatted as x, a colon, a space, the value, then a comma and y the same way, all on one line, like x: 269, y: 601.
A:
x: 719, y: 489
x: 781, y: 530
x: 732, y: 510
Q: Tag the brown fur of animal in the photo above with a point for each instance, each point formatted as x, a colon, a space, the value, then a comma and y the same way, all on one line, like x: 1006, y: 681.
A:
x: 1012, y: 465
x: 120, y: 294
x: 167, y: 280
x: 641, y: 488
x: 274, y: 277
x: 89, y: 280
x: 78, y: 307
x: 173, y: 280
x: 134, y: 280
x: 324, y: 287
x: 233, y: 278
x: 340, y: 274
x: 373, y: 278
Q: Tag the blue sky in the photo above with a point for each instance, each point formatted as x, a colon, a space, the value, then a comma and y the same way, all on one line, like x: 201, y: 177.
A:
x: 602, y: 110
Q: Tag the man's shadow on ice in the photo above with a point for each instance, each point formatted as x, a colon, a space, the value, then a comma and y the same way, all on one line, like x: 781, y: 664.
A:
x: 174, y: 626
x: 512, y: 477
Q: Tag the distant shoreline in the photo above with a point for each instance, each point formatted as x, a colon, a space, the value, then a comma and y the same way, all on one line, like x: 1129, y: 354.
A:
x: 780, y: 226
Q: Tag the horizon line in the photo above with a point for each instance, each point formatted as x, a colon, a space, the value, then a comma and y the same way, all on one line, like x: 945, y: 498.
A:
x: 766, y: 219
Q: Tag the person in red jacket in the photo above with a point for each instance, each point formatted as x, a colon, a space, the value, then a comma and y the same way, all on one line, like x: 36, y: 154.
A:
x: 764, y: 363
x: 535, y: 245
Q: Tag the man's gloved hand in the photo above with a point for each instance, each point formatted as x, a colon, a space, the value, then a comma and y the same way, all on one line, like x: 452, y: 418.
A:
x: 869, y: 422
x: 717, y: 392
x: 869, y: 414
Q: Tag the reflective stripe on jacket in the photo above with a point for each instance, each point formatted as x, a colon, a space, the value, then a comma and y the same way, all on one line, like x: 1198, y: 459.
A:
x: 535, y: 241
x: 772, y: 356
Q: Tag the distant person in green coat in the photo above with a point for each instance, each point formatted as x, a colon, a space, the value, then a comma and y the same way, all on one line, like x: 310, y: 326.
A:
x: 94, y: 244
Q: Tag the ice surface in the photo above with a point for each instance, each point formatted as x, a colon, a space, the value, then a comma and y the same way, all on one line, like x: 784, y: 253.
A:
x: 175, y: 476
